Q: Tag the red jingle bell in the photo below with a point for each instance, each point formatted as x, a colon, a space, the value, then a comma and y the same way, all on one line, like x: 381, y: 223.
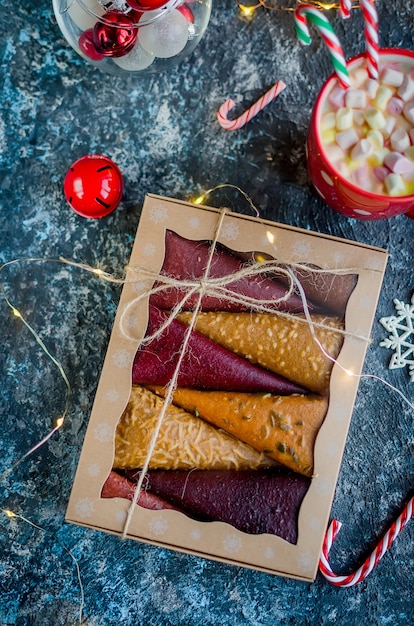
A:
x: 87, y: 45
x: 93, y: 186
x: 146, y: 5
x: 116, y: 35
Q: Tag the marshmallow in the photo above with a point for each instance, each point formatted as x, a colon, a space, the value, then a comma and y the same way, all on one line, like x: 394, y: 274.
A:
x: 409, y: 153
x: 411, y: 133
x: 372, y: 88
x: 328, y: 121
x: 378, y: 157
x: 356, y: 99
x: 408, y: 111
x: 390, y: 123
x: 398, y: 163
x: 344, y: 118
x: 361, y: 150
x: 380, y: 173
x: 382, y: 97
x: 375, y: 119
x: 347, y: 138
x: 409, y: 177
x: 337, y: 97
x: 392, y: 77
x: 328, y: 136
x: 361, y: 177
x: 406, y: 91
x: 399, y: 140
x: 334, y: 153
x: 359, y: 117
x: 394, y: 185
x: 395, y: 106
x: 358, y: 78
x: 376, y: 138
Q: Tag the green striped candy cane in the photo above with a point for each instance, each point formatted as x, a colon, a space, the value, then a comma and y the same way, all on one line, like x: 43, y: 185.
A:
x: 305, y: 13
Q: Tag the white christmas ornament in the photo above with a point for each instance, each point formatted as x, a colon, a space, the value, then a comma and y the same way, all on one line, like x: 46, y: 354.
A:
x: 79, y: 13
x: 401, y: 327
x: 166, y: 37
x: 137, y: 59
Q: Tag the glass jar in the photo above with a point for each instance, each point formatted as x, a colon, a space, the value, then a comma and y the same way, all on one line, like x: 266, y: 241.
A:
x: 133, y: 36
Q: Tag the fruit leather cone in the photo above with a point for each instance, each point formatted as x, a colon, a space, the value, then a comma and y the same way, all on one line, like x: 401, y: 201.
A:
x: 254, y: 502
x: 206, y: 364
x: 282, y: 427
x: 283, y: 345
x: 187, y: 260
x: 327, y: 291
x: 117, y: 486
x: 184, y: 440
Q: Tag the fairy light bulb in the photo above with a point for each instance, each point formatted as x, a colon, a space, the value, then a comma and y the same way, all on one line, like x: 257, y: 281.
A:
x: 199, y: 200
x: 246, y: 11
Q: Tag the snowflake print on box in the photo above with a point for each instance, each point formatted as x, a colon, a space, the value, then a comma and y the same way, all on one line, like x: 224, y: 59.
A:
x: 401, y: 327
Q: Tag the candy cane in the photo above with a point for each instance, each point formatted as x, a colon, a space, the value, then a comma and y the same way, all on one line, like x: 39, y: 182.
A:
x: 345, y: 7
x: 306, y: 12
x: 251, y: 112
x: 370, y: 14
x: 371, y: 561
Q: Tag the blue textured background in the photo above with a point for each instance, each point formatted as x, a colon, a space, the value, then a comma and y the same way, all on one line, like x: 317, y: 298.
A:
x: 162, y: 132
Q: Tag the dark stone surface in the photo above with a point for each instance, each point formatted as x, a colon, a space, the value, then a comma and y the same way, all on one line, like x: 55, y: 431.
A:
x: 163, y: 134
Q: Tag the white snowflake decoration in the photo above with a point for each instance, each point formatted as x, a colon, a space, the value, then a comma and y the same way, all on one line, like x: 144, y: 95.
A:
x: 121, y: 359
x: 94, y: 470
x: 84, y: 507
x: 401, y: 339
x: 149, y: 250
x: 194, y: 222
x: 158, y: 214
x: 103, y: 433
x: 229, y: 231
x: 232, y: 544
x: 158, y: 526
x: 112, y: 395
x: 269, y: 553
x: 305, y: 561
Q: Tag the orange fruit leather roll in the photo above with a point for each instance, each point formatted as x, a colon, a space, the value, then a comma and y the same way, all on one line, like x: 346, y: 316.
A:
x: 284, y: 345
x: 281, y: 427
x: 184, y: 441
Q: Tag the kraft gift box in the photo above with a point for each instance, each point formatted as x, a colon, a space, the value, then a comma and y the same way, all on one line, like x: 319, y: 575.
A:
x: 249, y: 241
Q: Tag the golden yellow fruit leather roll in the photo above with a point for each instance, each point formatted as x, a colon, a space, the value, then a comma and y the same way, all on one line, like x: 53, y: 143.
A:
x: 283, y: 345
x: 184, y: 441
x: 282, y: 427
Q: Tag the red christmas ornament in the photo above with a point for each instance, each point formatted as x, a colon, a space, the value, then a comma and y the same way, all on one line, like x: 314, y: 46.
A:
x: 115, y: 36
x: 185, y: 10
x: 87, y: 45
x: 93, y: 186
x: 146, y: 5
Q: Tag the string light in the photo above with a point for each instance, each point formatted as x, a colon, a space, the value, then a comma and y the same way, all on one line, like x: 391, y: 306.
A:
x: 61, y: 419
x: 17, y: 313
x: 202, y: 198
x: 247, y: 10
x: 11, y: 515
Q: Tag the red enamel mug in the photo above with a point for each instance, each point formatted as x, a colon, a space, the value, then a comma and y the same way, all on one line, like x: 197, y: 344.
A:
x: 337, y: 191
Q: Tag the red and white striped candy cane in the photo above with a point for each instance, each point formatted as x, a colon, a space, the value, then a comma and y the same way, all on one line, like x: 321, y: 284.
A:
x: 345, y: 7
x: 251, y: 111
x: 371, y: 561
x: 370, y: 14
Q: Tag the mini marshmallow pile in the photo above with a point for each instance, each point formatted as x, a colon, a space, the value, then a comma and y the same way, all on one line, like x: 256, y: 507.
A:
x: 368, y: 131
